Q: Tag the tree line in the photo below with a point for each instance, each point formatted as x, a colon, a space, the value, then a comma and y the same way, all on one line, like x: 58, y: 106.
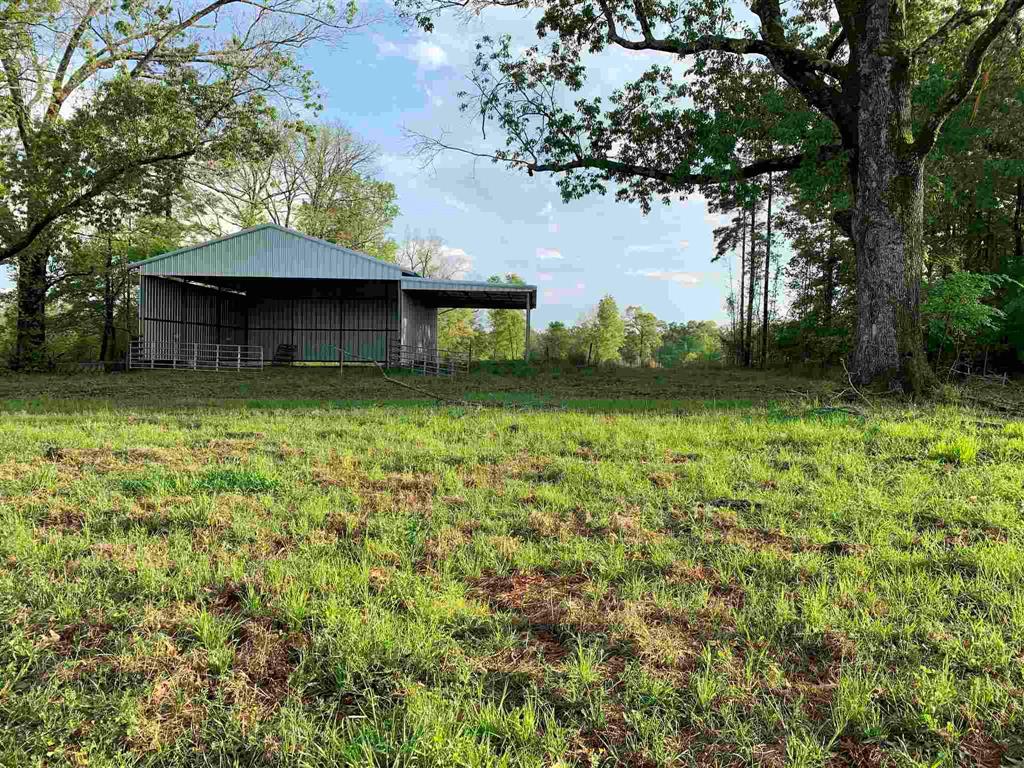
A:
x: 603, y: 335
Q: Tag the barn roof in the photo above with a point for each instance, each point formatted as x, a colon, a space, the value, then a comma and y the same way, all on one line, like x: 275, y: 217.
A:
x: 270, y: 250
x: 470, y: 293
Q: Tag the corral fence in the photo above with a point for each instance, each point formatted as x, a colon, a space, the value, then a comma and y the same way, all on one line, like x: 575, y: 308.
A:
x: 144, y: 354
x: 429, y: 362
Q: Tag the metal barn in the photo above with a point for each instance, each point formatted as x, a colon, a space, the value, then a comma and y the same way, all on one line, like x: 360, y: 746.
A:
x: 242, y: 299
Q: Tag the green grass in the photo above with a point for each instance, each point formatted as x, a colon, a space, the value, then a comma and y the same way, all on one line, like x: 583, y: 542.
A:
x: 736, y: 578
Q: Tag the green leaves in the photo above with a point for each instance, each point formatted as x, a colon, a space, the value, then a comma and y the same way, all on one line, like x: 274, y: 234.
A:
x: 955, y: 309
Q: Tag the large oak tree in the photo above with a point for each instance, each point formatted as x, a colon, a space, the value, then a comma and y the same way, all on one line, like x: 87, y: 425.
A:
x: 869, y: 72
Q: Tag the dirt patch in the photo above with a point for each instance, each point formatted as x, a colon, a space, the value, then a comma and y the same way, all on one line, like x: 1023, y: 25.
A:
x: 77, y: 639
x: 982, y: 750
x: 813, y: 671
x: 521, y: 467
x: 221, y: 449
x: 175, y: 703
x: 535, y: 649
x: 267, y: 657
x: 15, y: 470
x: 346, y: 525
x: 545, y: 600
x: 851, y: 753
x: 155, y: 554
x: 441, y: 545
x: 736, y: 505
x: 63, y: 516
x: 760, y: 538
x: 723, y: 517
x: 662, y: 479
x: 673, y: 457
x: 592, y: 747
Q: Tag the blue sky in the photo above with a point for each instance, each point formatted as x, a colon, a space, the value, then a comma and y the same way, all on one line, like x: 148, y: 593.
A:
x: 392, y: 78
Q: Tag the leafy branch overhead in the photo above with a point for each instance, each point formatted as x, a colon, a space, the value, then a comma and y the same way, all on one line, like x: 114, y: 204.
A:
x: 97, y: 93
x: 655, y: 136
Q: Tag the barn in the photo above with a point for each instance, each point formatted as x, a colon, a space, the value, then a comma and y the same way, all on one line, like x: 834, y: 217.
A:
x: 268, y: 291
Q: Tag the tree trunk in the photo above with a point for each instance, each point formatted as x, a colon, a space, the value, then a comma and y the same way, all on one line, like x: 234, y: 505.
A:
x: 109, y: 299
x: 742, y: 294
x: 767, y: 276
x: 1018, y: 225
x: 888, y: 215
x: 828, y: 286
x: 30, y: 343
x: 748, y: 347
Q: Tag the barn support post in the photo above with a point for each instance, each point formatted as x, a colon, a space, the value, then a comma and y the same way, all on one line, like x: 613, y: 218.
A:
x: 526, y: 346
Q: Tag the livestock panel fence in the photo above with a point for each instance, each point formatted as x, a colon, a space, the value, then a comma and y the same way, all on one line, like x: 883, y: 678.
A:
x: 426, y: 361
x: 144, y: 355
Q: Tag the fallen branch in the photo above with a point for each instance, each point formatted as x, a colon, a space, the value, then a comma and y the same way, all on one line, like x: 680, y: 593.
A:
x: 410, y: 387
x: 849, y: 379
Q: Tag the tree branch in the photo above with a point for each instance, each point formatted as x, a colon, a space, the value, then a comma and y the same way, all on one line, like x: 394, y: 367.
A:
x: 62, y: 69
x: 960, y: 90
x: 836, y: 45
x: 959, y: 19
x: 615, y: 167
x: 18, y: 98
x: 98, y: 187
x: 174, y: 30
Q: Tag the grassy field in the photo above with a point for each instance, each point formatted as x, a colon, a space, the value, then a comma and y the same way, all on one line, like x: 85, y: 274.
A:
x: 290, y: 570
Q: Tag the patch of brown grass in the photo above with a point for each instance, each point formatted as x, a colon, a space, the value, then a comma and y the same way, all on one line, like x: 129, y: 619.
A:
x: 105, y: 460
x: 267, y: 657
x: 543, y: 599
x: 175, y: 703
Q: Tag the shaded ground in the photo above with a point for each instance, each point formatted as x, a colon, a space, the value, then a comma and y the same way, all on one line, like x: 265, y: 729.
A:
x: 184, y: 584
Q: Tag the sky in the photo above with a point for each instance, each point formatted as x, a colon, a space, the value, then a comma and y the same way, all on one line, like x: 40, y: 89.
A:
x: 392, y: 78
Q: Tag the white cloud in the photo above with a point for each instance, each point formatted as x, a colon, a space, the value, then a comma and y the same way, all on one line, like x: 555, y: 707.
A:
x: 436, y: 100
x: 545, y: 277
x: 685, y: 279
x: 546, y: 254
x: 632, y: 250
x: 427, y: 56
x: 460, y: 262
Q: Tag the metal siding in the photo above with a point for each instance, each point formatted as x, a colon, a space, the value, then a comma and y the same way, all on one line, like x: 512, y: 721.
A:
x: 419, y: 323
x: 366, y: 323
x: 271, y: 251
x: 173, y: 311
x: 316, y: 326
